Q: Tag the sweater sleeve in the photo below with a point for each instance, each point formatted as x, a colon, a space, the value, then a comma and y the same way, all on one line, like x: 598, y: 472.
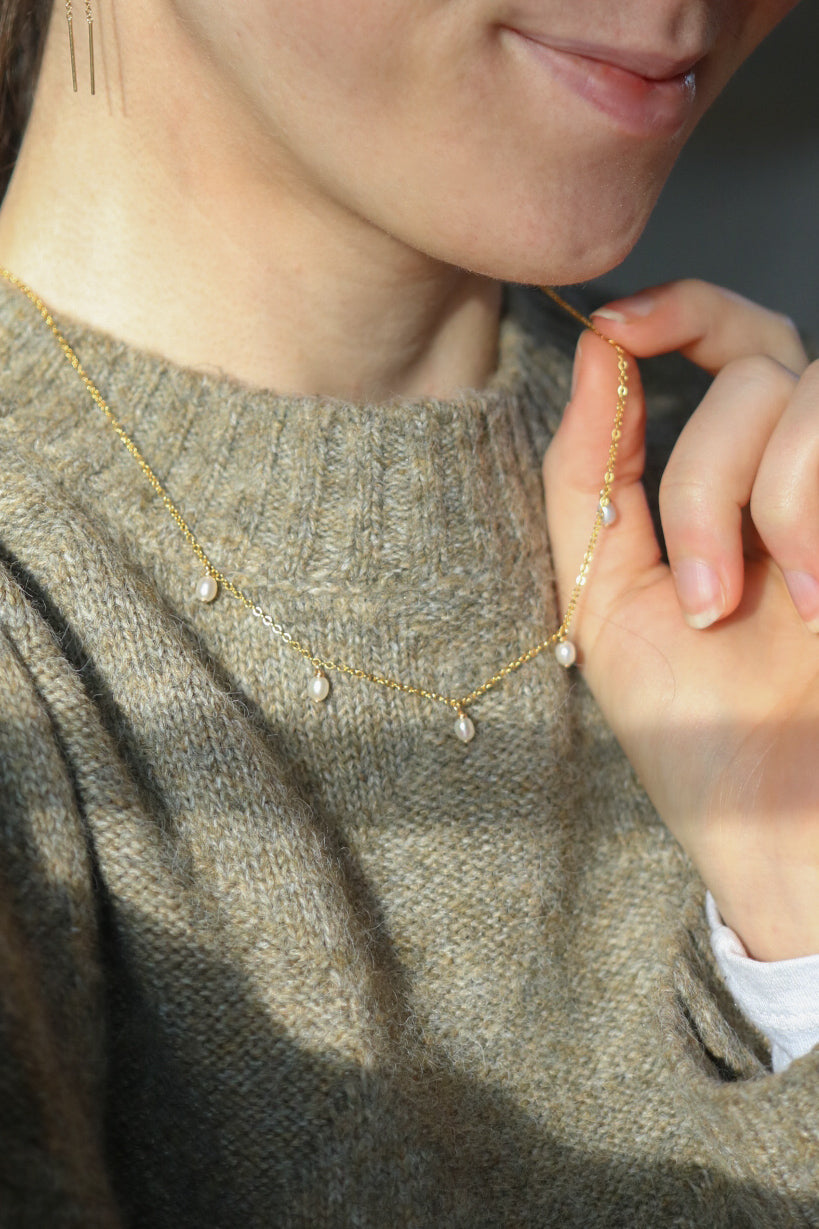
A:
x: 52, y: 1044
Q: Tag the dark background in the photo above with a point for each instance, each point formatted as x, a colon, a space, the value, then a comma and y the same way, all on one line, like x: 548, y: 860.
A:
x: 742, y: 205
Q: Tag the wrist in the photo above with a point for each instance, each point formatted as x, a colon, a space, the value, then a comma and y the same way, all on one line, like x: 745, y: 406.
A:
x: 777, y: 920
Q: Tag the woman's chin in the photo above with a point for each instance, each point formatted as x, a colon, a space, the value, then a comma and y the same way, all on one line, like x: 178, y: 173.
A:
x: 551, y: 259
x: 539, y: 238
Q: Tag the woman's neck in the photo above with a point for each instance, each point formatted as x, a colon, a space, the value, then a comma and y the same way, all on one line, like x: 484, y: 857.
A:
x: 210, y: 249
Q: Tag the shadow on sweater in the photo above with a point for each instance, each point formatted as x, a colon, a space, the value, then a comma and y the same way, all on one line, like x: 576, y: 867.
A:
x: 240, y: 1126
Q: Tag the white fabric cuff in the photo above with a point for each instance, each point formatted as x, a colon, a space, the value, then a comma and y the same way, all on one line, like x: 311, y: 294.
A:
x: 781, y: 997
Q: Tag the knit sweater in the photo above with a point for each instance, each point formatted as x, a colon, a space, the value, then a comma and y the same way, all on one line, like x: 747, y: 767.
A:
x: 265, y: 962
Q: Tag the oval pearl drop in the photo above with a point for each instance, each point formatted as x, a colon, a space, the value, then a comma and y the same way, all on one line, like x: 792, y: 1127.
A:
x: 318, y: 688
x: 207, y: 588
x: 566, y: 653
x: 464, y: 728
x: 609, y: 514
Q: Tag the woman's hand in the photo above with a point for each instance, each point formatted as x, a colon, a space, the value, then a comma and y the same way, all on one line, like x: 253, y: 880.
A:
x: 722, y: 725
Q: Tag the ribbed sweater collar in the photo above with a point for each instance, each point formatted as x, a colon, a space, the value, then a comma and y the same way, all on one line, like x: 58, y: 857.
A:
x: 333, y: 491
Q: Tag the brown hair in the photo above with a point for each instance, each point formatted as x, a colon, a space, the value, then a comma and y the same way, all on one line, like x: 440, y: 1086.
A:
x: 22, y: 34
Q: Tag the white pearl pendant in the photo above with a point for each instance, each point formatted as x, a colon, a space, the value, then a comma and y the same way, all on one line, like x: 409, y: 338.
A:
x: 207, y: 589
x: 566, y: 653
x: 318, y: 688
x: 609, y: 514
x: 464, y: 728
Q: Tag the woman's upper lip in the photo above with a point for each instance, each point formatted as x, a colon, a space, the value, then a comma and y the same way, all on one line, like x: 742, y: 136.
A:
x: 651, y: 65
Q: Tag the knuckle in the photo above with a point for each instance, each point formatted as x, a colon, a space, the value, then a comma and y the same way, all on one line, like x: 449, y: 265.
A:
x: 688, y: 293
x: 758, y: 372
x: 787, y: 326
x: 774, y: 513
x: 695, y: 296
x: 790, y: 344
x: 680, y: 487
x: 695, y: 286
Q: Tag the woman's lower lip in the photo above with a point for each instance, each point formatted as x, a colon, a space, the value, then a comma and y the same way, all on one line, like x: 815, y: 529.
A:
x: 638, y: 105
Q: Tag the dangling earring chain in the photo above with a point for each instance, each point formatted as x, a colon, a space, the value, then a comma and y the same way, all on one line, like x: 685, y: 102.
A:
x: 90, y: 23
x: 89, y: 19
x: 207, y: 588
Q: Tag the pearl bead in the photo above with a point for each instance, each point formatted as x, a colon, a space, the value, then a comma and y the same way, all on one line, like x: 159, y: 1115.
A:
x: 207, y: 588
x: 609, y: 514
x: 318, y: 688
x: 464, y: 728
x: 566, y: 653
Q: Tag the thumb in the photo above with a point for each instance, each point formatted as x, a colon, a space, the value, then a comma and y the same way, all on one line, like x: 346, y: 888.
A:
x: 573, y: 471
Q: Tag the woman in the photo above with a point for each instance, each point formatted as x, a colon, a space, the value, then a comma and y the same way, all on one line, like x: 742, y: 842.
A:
x: 278, y: 948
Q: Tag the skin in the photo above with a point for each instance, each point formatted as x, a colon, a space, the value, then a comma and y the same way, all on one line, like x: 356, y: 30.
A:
x: 322, y: 197
x: 324, y: 162
x: 721, y: 724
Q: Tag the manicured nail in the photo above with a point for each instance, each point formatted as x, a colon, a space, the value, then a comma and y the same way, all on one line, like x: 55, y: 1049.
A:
x: 606, y: 313
x: 627, y: 309
x: 804, y: 590
x: 699, y: 592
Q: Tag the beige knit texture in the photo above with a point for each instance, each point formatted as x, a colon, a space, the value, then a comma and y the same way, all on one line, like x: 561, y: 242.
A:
x: 267, y: 963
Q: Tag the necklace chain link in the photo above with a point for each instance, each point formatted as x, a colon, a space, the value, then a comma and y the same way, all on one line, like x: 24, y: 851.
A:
x: 322, y: 664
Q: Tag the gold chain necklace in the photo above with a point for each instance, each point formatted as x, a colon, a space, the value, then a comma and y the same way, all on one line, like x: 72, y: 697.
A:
x: 214, y: 580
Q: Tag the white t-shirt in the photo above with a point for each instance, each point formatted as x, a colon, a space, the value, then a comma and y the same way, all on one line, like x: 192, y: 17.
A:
x: 780, y: 997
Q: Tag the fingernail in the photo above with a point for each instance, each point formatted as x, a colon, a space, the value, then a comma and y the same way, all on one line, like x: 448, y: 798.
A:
x: 606, y: 313
x: 804, y: 590
x: 699, y: 592
x: 576, y: 366
x: 627, y: 309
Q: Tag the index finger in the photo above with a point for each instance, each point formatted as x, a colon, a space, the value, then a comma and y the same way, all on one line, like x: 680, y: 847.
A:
x: 710, y: 325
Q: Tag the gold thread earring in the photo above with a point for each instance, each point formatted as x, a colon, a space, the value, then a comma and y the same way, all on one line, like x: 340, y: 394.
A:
x: 89, y: 18
x: 70, y: 18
